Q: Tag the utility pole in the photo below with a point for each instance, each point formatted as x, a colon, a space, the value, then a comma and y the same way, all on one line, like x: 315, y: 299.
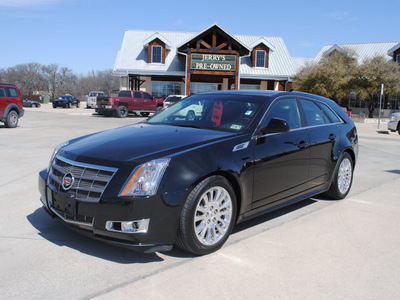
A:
x: 380, y: 106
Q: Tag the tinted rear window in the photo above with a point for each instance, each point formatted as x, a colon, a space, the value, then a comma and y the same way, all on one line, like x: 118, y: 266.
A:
x: 124, y: 94
x: 13, y: 92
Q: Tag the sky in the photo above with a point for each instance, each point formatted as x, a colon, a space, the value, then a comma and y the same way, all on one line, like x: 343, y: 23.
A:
x: 85, y: 35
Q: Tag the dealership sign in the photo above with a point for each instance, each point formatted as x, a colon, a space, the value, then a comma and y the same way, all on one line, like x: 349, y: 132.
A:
x: 213, y: 62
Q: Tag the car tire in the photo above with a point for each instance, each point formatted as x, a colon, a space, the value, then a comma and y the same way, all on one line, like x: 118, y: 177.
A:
x: 78, y: 105
x: 207, y: 217
x: 122, y: 111
x: 54, y: 106
x: 34, y: 105
x: 12, y: 119
x: 144, y: 114
x: 398, y: 128
x: 190, y: 116
x: 342, y: 178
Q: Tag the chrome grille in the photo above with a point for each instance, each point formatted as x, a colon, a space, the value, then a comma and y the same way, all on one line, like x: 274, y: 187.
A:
x: 89, y: 182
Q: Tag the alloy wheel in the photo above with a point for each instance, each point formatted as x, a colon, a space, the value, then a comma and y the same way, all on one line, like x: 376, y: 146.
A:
x: 213, y: 215
x: 344, y: 176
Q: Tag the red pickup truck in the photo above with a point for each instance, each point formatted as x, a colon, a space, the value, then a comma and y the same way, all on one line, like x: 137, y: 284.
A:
x: 128, y: 101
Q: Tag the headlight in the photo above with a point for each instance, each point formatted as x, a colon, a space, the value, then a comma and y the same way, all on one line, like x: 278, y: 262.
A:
x: 145, y: 179
x: 56, y: 149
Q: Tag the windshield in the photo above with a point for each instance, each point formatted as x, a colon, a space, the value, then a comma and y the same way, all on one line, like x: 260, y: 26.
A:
x: 95, y: 94
x: 173, y: 99
x: 233, y: 113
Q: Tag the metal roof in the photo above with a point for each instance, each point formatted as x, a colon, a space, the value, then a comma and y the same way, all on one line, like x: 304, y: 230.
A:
x: 132, y: 57
x: 300, y: 62
x: 362, y: 51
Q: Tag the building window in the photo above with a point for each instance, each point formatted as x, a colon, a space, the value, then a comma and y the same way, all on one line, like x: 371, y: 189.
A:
x: 398, y: 58
x: 260, y: 58
x: 156, y: 56
x: 164, y: 88
x: 201, y: 87
x: 249, y: 86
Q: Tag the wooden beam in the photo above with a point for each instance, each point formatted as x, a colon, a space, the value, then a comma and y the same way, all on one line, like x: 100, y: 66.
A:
x: 214, y: 38
x: 205, y: 44
x: 233, y: 52
x: 189, y: 75
x: 222, y: 45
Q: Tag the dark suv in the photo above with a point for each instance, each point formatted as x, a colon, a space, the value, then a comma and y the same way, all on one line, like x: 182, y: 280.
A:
x: 11, y: 108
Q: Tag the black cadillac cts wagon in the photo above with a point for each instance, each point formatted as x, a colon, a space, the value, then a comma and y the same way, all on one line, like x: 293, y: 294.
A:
x: 189, y: 173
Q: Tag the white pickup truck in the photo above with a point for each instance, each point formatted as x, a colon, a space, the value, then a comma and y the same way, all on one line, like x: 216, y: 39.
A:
x: 92, y: 98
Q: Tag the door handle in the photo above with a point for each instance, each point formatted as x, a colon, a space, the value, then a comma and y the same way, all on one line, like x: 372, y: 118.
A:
x: 332, y: 137
x: 8, y: 100
x: 302, y: 145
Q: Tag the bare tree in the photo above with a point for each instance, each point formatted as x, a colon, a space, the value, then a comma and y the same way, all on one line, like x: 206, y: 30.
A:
x: 28, y: 77
x: 50, y: 73
x: 56, y: 80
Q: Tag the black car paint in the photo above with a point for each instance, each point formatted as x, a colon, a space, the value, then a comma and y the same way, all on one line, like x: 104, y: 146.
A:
x: 65, y: 101
x: 197, y: 154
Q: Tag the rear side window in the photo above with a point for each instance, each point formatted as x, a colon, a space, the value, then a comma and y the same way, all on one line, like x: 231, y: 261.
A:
x: 124, y: 94
x: 333, y: 118
x: 137, y: 94
x: 147, y: 96
x: 314, y: 115
x: 13, y: 92
x: 3, y: 92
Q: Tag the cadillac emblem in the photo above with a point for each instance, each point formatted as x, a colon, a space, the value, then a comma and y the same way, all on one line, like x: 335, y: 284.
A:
x: 67, y: 181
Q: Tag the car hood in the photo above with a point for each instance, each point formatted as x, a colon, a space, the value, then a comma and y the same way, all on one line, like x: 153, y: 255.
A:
x: 138, y: 143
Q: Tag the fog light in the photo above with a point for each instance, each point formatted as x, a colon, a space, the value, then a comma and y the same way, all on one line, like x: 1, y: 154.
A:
x: 139, y: 226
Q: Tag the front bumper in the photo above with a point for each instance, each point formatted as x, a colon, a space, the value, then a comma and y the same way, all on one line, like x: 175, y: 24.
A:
x: 392, y: 125
x: 90, y: 219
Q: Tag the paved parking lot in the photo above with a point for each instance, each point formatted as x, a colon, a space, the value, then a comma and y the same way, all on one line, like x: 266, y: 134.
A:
x: 316, y: 249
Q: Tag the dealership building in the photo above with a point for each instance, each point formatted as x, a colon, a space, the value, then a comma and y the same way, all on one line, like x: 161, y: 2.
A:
x: 165, y: 63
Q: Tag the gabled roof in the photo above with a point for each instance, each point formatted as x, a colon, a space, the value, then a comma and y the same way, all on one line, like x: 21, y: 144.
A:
x: 262, y: 41
x: 392, y: 50
x: 363, y: 51
x: 335, y: 48
x: 157, y: 35
x: 206, y: 31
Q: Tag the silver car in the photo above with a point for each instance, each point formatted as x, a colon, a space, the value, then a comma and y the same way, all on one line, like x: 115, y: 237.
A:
x: 394, y: 124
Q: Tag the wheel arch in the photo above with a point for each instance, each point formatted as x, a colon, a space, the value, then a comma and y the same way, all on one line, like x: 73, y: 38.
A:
x: 233, y: 181
x: 352, y: 155
x: 9, y: 108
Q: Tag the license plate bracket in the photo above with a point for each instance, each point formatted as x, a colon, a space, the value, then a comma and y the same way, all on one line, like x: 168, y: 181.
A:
x: 64, y: 203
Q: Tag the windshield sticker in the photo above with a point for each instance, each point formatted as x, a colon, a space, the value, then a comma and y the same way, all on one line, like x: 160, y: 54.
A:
x: 236, y: 127
x: 249, y: 113
x: 217, y: 113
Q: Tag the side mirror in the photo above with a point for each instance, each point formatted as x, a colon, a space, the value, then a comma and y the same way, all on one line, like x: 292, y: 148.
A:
x: 276, y: 125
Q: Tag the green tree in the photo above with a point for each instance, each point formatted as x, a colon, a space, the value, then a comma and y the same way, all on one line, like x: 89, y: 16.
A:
x: 371, y: 75
x: 333, y: 76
